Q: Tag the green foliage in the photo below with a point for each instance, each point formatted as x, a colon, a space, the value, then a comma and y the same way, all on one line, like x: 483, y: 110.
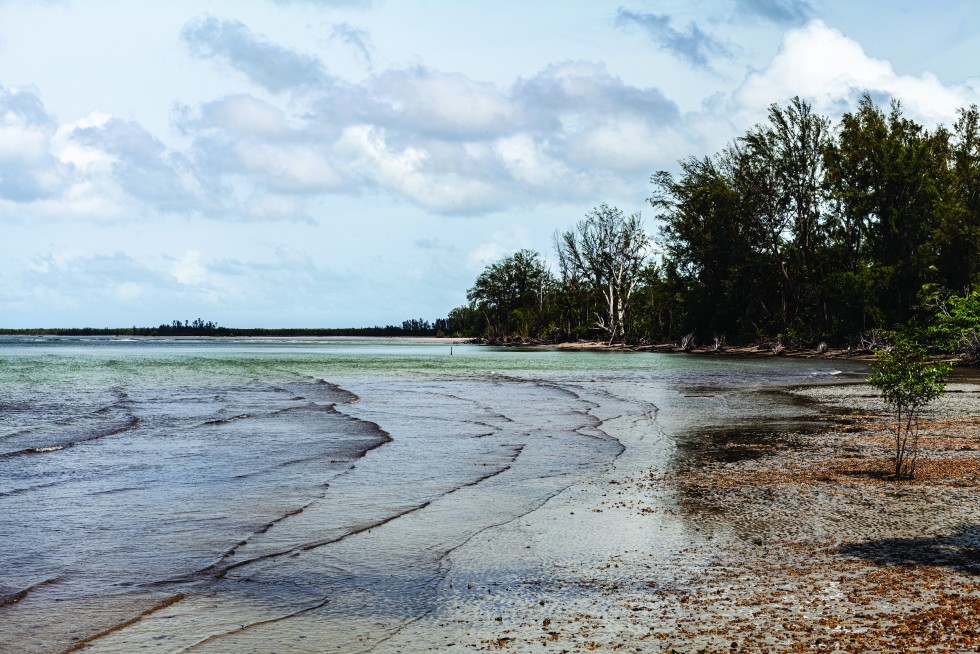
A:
x: 907, y: 382
x: 512, y: 297
x: 955, y: 324
x: 799, y: 229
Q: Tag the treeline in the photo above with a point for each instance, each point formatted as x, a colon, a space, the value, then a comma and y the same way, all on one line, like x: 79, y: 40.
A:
x: 198, y: 327
x: 799, y: 232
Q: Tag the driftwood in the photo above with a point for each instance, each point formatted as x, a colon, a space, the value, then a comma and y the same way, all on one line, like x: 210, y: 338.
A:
x: 872, y: 340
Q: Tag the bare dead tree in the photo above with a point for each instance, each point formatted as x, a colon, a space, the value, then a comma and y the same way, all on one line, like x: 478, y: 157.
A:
x: 609, y: 249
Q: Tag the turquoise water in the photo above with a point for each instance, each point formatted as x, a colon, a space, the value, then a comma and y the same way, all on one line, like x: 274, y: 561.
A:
x: 251, y: 482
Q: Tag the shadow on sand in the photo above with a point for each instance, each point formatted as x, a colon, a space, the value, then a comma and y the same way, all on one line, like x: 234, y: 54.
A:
x: 960, y: 551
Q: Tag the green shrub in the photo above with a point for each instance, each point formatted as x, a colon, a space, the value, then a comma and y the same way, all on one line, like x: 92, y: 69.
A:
x: 907, y: 381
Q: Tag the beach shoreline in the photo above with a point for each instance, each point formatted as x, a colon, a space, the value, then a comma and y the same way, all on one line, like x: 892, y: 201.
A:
x: 673, y: 348
x: 791, y: 540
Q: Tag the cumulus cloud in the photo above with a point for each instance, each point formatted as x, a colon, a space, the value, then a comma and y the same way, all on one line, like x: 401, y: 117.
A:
x: 442, y: 141
x: 189, y: 270
x: 693, y: 45
x: 29, y: 170
x: 97, y: 166
x: 265, y: 63
x: 831, y: 70
x: 588, y: 89
x: 240, y: 113
x: 592, y: 118
x: 430, y: 103
x: 142, y: 166
x: 439, y: 140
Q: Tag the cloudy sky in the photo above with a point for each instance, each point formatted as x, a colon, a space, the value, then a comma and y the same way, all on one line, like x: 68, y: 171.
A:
x: 343, y: 163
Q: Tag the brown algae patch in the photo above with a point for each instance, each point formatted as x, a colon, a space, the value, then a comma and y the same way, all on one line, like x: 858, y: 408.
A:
x: 831, y: 553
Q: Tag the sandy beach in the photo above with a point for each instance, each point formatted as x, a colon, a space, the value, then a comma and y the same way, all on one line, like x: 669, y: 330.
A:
x: 787, y: 539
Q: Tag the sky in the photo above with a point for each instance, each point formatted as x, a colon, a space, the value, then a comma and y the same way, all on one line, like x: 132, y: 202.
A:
x: 336, y: 163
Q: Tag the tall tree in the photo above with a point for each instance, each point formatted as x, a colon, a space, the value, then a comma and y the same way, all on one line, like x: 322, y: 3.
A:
x: 959, y: 247
x: 609, y: 250
x: 781, y: 177
x: 511, y: 294
x: 706, y: 242
x: 886, y: 175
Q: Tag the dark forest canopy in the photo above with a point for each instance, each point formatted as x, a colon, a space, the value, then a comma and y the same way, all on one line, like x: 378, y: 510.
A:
x: 800, y: 231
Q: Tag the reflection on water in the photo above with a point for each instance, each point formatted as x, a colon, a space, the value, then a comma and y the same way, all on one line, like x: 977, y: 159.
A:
x: 224, y: 494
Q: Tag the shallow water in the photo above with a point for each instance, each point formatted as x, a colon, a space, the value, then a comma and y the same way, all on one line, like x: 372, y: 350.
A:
x: 307, y: 495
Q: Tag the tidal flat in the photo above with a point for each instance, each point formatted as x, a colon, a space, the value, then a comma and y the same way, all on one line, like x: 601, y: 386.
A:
x: 316, y: 495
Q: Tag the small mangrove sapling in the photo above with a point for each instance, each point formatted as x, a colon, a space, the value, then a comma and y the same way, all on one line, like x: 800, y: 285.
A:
x: 907, y: 381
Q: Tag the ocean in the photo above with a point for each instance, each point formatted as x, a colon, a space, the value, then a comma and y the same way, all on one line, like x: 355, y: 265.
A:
x: 313, y: 494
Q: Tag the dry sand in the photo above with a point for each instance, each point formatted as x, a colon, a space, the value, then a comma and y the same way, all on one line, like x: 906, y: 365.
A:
x: 780, y: 541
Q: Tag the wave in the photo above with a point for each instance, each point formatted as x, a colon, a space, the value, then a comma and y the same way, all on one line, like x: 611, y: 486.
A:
x: 225, y: 421
x: 132, y: 423
x: 9, y: 597
x: 170, y: 601
x: 29, y: 406
x: 349, y: 397
x: 28, y: 489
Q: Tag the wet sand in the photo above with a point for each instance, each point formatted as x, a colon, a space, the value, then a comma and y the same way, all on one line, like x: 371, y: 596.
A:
x: 783, y: 540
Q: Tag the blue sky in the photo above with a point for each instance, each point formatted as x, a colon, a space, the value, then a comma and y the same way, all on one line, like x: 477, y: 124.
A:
x: 343, y: 163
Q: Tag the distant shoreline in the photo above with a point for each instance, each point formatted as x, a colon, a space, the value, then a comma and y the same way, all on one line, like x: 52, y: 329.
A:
x: 672, y: 348
x: 228, y: 332
x: 765, y: 351
x: 598, y: 346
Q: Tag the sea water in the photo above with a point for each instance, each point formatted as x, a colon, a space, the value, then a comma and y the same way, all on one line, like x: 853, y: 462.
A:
x: 304, y: 489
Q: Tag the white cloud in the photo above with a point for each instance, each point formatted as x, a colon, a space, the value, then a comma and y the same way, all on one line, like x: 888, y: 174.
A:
x: 28, y: 170
x: 359, y: 40
x: 526, y: 159
x: 188, y: 270
x: 85, y: 158
x: 96, y: 167
x: 691, y: 44
x: 431, y: 103
x: 442, y: 141
x: 243, y: 114
x: 823, y: 65
x: 268, y: 64
x: 288, y: 167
